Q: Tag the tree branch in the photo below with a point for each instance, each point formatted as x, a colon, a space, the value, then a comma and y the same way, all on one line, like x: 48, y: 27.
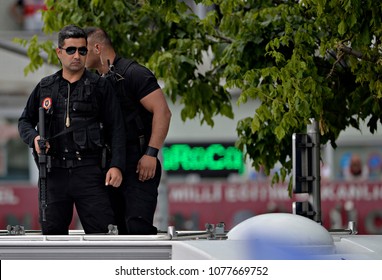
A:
x: 350, y: 51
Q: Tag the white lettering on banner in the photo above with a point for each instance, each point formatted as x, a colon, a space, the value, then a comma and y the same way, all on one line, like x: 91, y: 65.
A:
x: 240, y: 193
x: 278, y: 193
x: 328, y: 193
x: 8, y: 197
x: 254, y: 192
x: 191, y: 193
x: 351, y: 192
x: 262, y: 192
x: 232, y: 193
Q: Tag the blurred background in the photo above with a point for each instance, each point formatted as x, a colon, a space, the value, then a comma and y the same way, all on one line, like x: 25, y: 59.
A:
x: 206, y: 179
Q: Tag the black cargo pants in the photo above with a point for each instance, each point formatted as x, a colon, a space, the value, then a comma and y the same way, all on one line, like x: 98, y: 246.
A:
x: 82, y: 187
x: 134, y: 202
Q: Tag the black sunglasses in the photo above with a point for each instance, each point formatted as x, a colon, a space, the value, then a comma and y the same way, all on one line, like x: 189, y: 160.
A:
x: 72, y: 50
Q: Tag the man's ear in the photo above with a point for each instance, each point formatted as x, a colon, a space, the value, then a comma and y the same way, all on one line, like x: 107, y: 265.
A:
x: 97, y: 48
x: 58, y: 52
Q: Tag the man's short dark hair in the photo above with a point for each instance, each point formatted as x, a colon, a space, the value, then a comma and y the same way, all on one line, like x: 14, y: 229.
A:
x: 70, y: 31
x: 99, y: 35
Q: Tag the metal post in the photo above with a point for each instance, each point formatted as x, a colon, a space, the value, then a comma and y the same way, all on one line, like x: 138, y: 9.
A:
x: 313, y: 132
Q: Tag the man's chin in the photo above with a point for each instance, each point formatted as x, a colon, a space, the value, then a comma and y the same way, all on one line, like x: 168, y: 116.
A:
x: 76, y: 66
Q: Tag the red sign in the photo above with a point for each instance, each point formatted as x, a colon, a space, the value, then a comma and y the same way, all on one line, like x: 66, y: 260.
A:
x: 193, y: 205
x: 19, y: 206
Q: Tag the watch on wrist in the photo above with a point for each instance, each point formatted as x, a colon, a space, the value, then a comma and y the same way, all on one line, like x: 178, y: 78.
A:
x: 151, y: 151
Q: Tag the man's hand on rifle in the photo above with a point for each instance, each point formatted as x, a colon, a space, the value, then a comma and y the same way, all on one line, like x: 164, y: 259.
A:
x: 37, y: 146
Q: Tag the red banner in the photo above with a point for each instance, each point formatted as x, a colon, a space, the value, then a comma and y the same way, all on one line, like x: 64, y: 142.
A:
x: 191, y: 206
x: 19, y: 206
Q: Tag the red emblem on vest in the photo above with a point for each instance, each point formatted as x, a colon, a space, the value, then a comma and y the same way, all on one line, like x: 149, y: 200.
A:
x: 47, y: 103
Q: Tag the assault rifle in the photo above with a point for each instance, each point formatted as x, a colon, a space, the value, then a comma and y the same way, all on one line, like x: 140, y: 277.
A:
x: 44, y: 164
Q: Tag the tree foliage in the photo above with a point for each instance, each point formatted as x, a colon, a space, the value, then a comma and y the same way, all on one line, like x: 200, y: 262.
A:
x: 301, y: 59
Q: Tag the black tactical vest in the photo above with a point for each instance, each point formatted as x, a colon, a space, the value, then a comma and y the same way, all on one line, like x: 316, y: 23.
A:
x: 72, y: 107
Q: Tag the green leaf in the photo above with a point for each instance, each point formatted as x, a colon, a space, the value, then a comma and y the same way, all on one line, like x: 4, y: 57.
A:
x: 342, y: 27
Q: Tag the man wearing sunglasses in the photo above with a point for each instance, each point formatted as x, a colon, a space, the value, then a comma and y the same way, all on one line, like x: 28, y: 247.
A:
x: 147, y: 119
x: 81, y: 113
